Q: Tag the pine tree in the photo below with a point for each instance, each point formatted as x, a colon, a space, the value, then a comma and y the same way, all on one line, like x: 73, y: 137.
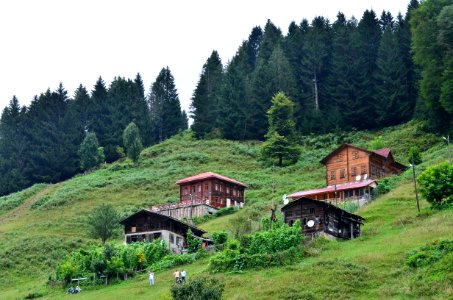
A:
x: 165, y: 107
x: 280, y: 139
x: 316, y: 60
x: 261, y: 89
x: 235, y: 106
x: 392, y: 103
x: 12, y: 147
x: 431, y: 32
x: 205, y: 105
x: 132, y: 142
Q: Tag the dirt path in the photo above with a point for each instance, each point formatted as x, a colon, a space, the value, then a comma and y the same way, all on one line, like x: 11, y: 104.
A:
x: 25, y: 206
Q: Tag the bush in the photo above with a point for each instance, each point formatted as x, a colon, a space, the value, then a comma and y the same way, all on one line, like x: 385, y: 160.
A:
x: 427, y: 255
x: 436, y: 185
x: 201, y: 288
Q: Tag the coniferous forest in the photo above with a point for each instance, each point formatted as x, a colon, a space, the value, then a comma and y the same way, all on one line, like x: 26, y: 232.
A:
x: 341, y: 74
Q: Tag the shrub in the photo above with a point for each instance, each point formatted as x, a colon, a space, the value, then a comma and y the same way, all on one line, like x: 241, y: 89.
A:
x: 425, y: 256
x: 436, y: 184
x: 219, y: 237
x: 201, y: 288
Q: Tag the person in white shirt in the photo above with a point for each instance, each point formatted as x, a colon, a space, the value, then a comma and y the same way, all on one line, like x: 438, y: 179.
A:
x: 151, y: 278
x: 183, y: 276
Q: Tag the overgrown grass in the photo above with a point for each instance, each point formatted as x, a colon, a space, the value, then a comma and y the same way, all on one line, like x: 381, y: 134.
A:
x: 371, y: 267
x: 16, y: 199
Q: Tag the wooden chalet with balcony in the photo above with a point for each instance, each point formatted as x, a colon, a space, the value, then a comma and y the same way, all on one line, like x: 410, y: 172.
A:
x: 351, y: 173
x: 203, y: 194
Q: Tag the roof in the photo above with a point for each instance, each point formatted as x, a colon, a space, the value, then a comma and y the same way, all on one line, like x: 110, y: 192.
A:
x: 209, y: 175
x: 342, y: 187
x: 148, y: 212
x: 325, y: 159
x: 331, y: 206
x: 383, y: 152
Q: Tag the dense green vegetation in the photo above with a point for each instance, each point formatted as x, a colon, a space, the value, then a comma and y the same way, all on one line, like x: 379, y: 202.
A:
x: 341, y: 75
x: 51, y: 222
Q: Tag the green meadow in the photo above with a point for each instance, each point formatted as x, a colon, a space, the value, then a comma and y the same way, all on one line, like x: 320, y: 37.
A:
x: 40, y: 225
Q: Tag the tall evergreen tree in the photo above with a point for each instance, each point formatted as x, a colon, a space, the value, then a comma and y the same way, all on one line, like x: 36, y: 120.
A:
x: 206, y: 97
x: 235, y: 106
x: 316, y: 60
x: 393, y: 105
x: 165, y: 107
x: 99, y: 111
x: 432, y: 44
x: 90, y: 155
x: 12, y: 147
x: 261, y: 89
x: 369, y: 35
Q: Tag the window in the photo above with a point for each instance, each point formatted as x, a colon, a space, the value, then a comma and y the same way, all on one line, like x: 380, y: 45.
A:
x: 172, y: 238
x: 186, y: 191
x: 221, y: 187
x: 227, y: 190
x: 342, y: 173
x: 362, y: 170
x: 355, y: 154
x: 312, y: 210
x: 199, y: 188
x: 216, y: 187
x: 133, y: 228
x: 339, y: 157
x: 353, y: 171
x: 332, y: 175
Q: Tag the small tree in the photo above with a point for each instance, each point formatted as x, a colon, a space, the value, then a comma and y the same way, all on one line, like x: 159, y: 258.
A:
x: 281, y: 135
x: 103, y: 222
x: 436, y: 184
x: 132, y: 142
x: 414, y: 157
x: 90, y: 154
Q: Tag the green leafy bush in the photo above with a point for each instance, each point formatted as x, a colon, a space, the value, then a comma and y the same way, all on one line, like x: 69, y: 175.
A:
x: 275, y: 247
x: 436, y: 184
x: 427, y: 255
x: 201, y: 288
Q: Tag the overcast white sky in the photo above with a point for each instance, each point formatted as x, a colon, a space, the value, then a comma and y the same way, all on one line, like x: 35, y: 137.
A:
x: 75, y: 41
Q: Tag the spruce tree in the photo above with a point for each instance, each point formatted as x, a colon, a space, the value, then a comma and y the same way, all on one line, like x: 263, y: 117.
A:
x: 280, y: 139
x: 205, y: 105
x: 12, y: 148
x: 165, y: 107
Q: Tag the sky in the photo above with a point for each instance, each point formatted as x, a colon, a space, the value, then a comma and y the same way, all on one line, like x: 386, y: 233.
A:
x: 45, y: 42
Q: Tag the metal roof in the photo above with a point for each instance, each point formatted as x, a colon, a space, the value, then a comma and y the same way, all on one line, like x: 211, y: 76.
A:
x: 332, y: 188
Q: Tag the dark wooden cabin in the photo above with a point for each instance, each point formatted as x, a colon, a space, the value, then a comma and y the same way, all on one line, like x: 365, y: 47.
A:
x: 319, y: 217
x: 147, y: 225
x: 212, y: 189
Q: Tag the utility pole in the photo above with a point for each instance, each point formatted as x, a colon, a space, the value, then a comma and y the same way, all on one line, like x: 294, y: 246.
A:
x: 447, y: 139
x: 415, y: 185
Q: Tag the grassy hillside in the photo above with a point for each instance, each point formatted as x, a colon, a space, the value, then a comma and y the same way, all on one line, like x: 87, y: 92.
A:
x: 40, y: 225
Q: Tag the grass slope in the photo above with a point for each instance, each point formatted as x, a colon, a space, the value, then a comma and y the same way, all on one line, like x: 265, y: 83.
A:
x: 50, y: 221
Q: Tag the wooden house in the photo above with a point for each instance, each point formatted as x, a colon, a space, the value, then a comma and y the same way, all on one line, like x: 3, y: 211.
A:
x: 318, y: 217
x: 349, y: 163
x: 213, y: 189
x: 147, y: 225
x: 352, y: 172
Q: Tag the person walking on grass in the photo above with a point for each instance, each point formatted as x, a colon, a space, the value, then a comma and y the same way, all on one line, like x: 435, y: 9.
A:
x: 151, y: 277
x: 176, y: 276
x: 183, y: 276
